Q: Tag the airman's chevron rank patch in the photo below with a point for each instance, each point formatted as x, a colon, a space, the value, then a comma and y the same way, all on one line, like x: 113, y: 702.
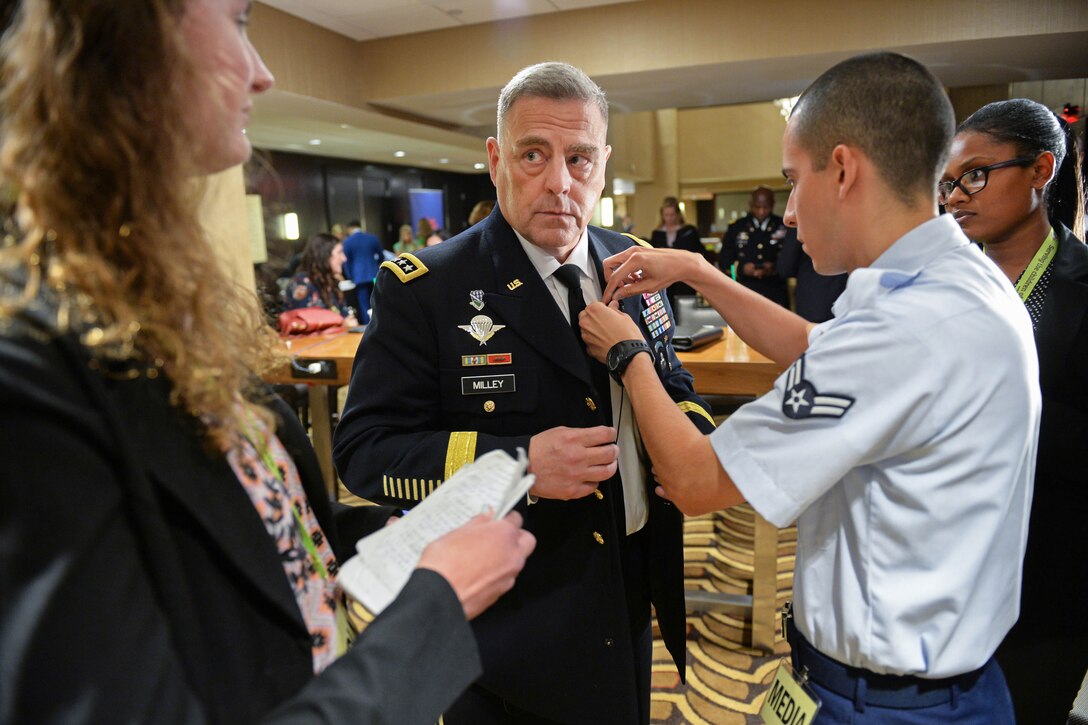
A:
x: 802, y: 400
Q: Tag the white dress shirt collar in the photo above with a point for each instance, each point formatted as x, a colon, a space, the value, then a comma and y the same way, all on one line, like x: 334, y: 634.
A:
x: 546, y: 264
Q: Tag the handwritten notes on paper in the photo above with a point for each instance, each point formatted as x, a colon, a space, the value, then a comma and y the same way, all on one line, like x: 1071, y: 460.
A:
x: 385, y: 559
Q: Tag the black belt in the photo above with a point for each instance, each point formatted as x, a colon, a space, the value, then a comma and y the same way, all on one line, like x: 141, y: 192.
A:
x: 902, y: 692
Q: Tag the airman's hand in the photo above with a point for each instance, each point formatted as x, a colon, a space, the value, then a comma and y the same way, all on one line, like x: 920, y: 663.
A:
x: 638, y: 269
x: 602, y: 327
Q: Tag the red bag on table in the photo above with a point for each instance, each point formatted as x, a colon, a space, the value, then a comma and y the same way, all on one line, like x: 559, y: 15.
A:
x: 309, y: 320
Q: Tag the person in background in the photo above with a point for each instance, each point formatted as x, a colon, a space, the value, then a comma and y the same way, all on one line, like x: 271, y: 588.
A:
x: 815, y: 293
x: 437, y: 237
x: 317, y: 284
x: 753, y: 243
x: 169, y: 553
x: 902, y: 435
x: 480, y: 211
x: 363, y: 255
x: 472, y: 349
x: 406, y: 241
x: 1013, y: 185
x: 340, y: 231
x: 674, y: 233
x: 424, y: 230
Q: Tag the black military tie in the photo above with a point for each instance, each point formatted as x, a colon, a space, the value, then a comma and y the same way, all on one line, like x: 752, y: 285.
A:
x: 571, y: 277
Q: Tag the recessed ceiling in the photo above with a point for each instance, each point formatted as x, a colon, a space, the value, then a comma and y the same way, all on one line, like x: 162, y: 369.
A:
x: 288, y: 122
x: 445, y: 130
x: 956, y: 64
x: 370, y: 19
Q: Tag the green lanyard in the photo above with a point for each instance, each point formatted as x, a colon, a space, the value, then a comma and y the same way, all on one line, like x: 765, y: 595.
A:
x: 344, y: 633
x: 307, y: 540
x: 1038, y: 264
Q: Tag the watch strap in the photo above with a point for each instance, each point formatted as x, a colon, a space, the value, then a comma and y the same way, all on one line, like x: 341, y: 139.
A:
x: 621, y: 354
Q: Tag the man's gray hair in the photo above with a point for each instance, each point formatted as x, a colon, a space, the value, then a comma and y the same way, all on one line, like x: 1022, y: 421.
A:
x: 552, y: 80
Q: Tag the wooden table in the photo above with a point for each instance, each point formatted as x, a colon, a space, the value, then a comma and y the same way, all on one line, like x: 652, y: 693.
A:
x: 323, y: 362
x: 730, y: 367
x: 726, y: 367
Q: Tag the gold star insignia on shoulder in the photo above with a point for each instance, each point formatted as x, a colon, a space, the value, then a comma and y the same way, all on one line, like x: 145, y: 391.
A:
x: 407, y: 267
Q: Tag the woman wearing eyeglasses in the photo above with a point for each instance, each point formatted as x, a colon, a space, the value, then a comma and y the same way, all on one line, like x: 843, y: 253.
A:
x: 1013, y: 184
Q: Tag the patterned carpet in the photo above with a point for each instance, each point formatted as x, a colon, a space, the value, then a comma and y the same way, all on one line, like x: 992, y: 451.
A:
x: 726, y: 678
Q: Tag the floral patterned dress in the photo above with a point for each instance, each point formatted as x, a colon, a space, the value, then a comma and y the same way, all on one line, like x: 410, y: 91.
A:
x: 270, y: 478
x: 302, y: 292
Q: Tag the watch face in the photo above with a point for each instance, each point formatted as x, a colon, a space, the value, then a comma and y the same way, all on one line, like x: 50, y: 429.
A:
x: 614, y: 357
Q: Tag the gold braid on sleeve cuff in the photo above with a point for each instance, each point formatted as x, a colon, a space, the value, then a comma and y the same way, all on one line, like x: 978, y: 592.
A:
x: 686, y: 406
x: 410, y: 489
x: 461, y: 450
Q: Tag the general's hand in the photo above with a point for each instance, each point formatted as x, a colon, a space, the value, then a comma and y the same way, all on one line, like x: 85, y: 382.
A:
x: 639, y: 269
x: 481, y: 559
x: 569, y: 462
x: 602, y: 327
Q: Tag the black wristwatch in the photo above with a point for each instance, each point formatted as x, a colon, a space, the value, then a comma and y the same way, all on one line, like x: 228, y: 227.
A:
x: 619, y: 357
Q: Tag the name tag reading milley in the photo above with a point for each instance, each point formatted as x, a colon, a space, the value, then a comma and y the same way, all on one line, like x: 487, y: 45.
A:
x: 487, y: 384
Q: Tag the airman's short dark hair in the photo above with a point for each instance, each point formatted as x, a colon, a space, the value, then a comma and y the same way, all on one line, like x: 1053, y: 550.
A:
x: 888, y: 106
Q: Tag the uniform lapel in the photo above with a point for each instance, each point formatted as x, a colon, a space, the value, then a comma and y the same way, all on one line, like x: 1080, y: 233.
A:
x: 600, y: 250
x: 528, y: 309
x: 1066, y: 301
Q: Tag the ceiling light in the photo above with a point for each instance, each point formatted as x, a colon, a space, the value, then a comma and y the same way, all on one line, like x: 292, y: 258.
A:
x: 607, y: 212
x: 290, y: 225
x: 315, y: 142
x: 478, y: 166
x: 785, y: 106
x: 344, y: 125
x: 399, y: 154
x: 443, y: 161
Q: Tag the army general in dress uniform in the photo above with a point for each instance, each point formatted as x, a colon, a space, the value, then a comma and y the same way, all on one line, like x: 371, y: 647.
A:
x: 753, y: 242
x: 471, y: 349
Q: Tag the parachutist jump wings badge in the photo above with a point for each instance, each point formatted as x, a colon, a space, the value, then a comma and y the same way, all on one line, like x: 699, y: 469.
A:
x: 481, y: 328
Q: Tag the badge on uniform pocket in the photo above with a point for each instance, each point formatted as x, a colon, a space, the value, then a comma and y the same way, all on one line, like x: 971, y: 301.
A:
x: 488, y: 384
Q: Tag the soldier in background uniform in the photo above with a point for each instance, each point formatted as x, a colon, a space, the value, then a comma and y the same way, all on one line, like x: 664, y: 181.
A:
x: 753, y: 243
x: 471, y: 349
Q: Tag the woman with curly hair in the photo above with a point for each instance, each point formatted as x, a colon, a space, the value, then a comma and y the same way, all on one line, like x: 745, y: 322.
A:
x: 169, y: 553
x: 317, y: 283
